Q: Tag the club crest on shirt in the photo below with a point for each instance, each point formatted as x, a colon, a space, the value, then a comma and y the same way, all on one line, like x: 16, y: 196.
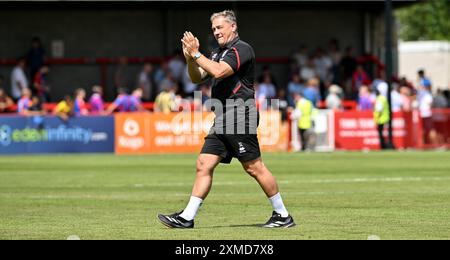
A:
x: 241, y: 148
x: 223, y: 54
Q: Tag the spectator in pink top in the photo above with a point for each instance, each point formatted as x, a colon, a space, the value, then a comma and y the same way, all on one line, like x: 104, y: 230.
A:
x: 365, y: 101
x: 405, y: 97
x: 96, y: 101
x: 127, y: 103
x: 122, y: 102
x: 136, y: 100
x: 24, y: 102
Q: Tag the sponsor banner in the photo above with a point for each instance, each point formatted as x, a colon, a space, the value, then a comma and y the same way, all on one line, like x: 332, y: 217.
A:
x: 11, y: 131
x: 132, y: 133
x: 179, y: 132
x: 357, y: 130
x: 52, y: 135
x: 273, y: 134
x: 140, y: 133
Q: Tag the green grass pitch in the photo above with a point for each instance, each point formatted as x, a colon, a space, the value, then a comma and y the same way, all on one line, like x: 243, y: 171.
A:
x: 392, y: 195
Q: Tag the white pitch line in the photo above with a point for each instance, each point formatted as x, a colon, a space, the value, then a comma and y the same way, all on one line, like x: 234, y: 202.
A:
x: 186, y: 195
x: 249, y: 181
x: 354, y: 180
x: 228, y: 183
x: 390, y: 179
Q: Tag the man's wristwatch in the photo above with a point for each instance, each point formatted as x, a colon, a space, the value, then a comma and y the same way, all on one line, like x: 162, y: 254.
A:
x: 197, y: 55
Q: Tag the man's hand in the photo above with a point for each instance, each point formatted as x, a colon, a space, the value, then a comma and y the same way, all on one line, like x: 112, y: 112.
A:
x: 191, y: 44
x: 191, y: 47
x: 186, y: 54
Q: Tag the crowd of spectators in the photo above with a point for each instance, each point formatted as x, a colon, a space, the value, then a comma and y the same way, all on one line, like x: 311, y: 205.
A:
x: 325, y: 77
x: 167, y: 85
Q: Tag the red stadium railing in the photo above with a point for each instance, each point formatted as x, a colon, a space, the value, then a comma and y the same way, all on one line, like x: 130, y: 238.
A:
x: 49, y: 107
x: 347, y: 105
x: 131, y: 60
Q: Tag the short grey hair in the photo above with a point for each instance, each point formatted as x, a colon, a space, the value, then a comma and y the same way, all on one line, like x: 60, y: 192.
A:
x: 227, y: 14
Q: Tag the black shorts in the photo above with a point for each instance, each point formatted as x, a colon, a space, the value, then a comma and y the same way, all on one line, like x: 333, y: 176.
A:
x: 243, y: 147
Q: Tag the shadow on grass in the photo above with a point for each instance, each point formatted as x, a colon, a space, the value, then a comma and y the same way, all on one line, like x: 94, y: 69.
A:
x: 234, y: 226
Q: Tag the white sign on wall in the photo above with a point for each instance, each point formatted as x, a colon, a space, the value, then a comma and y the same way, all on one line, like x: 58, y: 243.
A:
x: 57, y: 48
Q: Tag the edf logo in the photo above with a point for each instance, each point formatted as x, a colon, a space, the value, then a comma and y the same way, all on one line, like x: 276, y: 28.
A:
x: 5, y: 135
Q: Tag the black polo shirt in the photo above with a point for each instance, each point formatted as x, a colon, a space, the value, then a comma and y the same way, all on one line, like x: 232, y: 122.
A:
x: 241, y: 58
x: 237, y: 87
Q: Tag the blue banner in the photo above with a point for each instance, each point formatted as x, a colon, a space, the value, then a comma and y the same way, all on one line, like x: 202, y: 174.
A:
x: 20, y: 135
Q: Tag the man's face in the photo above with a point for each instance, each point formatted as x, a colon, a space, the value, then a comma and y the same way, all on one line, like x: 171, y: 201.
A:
x: 69, y: 101
x: 363, y: 91
x: 148, y: 68
x: 45, y: 70
x: 35, y: 100
x: 223, y: 30
x: 26, y: 93
x: 138, y: 93
x: 35, y: 44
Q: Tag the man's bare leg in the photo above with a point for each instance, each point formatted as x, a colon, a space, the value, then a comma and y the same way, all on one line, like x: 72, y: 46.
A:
x: 263, y: 176
x: 266, y: 180
x: 206, y: 163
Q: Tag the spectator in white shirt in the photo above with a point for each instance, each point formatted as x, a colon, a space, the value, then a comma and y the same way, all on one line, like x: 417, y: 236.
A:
x: 267, y: 90
x: 323, y: 64
x: 425, y: 107
x: 309, y: 71
x: 268, y: 87
x: 396, y: 100
x: 177, y: 66
x: 333, y: 100
x: 145, y: 82
x: 19, y: 80
x: 301, y: 56
x: 334, y: 53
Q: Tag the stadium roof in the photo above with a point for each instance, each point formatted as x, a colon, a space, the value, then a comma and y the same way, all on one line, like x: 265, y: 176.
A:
x: 310, y: 3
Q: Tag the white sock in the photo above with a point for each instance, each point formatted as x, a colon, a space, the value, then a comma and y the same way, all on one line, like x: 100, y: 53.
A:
x: 192, y: 208
x: 278, y: 206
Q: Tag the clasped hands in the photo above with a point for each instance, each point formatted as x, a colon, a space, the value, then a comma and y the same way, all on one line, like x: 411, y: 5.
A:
x: 191, y: 45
